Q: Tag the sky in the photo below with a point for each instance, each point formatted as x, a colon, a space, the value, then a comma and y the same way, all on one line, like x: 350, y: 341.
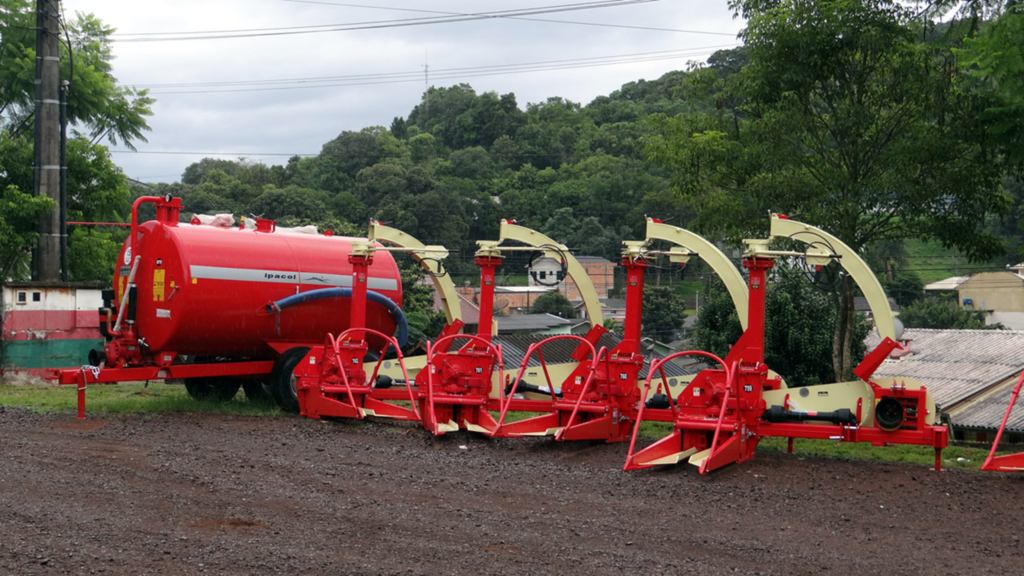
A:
x: 303, y: 71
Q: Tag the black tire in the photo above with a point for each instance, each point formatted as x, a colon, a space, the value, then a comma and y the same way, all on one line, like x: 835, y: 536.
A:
x: 257, y: 391
x: 282, y: 378
x: 213, y: 389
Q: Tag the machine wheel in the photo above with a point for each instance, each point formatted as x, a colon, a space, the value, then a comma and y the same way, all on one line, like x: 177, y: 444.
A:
x: 257, y: 391
x: 282, y: 378
x: 213, y: 389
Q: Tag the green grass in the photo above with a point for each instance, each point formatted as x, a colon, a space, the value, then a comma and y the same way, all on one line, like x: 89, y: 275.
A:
x: 126, y: 399
x: 688, y: 288
x: 973, y: 458
x: 932, y: 262
x: 161, y: 398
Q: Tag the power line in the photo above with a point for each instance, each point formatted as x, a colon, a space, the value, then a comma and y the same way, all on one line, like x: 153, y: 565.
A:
x: 598, y: 24
x: 370, y: 25
x: 416, y: 76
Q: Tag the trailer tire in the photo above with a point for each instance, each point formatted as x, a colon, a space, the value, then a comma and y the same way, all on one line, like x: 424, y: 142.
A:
x: 282, y: 378
x: 257, y: 391
x: 213, y: 389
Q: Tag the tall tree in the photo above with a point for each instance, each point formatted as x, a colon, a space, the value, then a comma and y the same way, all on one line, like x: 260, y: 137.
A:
x: 97, y: 104
x: 994, y: 62
x: 848, y: 120
x: 799, y: 318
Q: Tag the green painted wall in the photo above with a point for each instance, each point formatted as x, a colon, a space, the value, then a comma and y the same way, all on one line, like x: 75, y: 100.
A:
x: 36, y: 354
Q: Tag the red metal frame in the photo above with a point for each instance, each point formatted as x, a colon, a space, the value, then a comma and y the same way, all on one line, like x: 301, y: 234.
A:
x: 718, y: 416
x: 1006, y: 462
x: 456, y: 393
x: 337, y: 385
x: 599, y: 398
x: 124, y: 357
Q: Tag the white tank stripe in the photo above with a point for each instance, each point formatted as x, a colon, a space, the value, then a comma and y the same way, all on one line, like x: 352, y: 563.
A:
x: 287, y: 277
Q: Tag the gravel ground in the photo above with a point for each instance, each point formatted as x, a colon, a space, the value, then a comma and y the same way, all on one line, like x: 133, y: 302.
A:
x: 205, y: 493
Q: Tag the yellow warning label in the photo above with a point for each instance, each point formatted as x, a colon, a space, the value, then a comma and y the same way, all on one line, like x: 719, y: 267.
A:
x: 158, y: 285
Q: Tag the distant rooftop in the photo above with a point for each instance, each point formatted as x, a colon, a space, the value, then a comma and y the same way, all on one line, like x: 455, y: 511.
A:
x: 530, y: 323
x: 957, y: 365
x: 947, y: 284
x: 593, y: 260
x: 860, y: 304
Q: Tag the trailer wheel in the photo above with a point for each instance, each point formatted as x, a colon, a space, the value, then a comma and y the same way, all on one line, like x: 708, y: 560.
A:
x: 257, y: 391
x: 212, y: 389
x: 282, y: 378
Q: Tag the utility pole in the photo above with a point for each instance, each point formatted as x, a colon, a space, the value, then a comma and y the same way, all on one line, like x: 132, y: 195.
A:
x: 46, y: 257
x: 426, y: 87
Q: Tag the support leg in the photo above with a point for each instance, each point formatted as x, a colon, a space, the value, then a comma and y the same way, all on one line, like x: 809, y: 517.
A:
x: 81, y: 394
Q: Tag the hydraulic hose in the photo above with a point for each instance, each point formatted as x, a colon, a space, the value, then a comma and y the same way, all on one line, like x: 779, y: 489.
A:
x: 320, y: 294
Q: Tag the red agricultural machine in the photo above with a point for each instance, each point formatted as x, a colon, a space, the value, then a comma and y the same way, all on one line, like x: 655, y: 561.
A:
x: 721, y: 415
x: 191, y: 302
x: 312, y: 320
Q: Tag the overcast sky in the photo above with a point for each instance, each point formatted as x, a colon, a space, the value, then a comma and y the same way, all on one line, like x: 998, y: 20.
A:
x: 225, y: 106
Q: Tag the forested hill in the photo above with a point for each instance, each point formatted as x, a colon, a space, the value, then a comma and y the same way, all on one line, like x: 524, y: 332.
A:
x: 460, y: 161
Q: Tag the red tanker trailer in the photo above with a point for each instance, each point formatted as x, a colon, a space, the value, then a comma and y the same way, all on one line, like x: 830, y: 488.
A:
x: 231, y: 302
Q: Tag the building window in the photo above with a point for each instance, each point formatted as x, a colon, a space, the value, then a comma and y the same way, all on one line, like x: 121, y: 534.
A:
x: 37, y: 297
x: 543, y: 274
x: 22, y: 298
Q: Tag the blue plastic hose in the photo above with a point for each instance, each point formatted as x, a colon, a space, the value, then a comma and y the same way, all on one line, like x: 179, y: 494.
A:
x: 320, y: 294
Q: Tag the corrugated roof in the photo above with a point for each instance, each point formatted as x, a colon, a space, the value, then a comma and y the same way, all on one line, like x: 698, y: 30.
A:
x: 529, y: 322
x: 956, y: 364
x: 860, y: 304
x: 988, y: 412
x: 592, y: 260
x: 947, y: 284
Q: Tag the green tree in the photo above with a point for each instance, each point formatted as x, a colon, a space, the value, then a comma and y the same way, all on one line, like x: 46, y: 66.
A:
x: 19, y: 214
x: 287, y: 204
x: 585, y: 235
x: 941, y: 314
x: 555, y: 303
x: 848, y: 120
x: 994, y: 62
x: 97, y: 192
x: 96, y: 102
x: 664, y: 312
x: 799, y: 323
x: 718, y: 327
x: 92, y: 253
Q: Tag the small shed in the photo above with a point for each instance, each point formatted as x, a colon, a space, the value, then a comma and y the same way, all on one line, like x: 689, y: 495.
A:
x: 48, y: 325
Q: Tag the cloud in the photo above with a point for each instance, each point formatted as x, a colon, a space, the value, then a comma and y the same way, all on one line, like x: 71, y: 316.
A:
x: 302, y: 120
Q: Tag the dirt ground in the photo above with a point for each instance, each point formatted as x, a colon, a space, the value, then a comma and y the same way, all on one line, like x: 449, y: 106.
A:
x: 203, y: 493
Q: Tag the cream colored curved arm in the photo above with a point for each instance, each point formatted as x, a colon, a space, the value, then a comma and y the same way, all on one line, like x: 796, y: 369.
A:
x: 851, y: 262
x: 530, y: 237
x: 718, y: 261
x: 443, y: 283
